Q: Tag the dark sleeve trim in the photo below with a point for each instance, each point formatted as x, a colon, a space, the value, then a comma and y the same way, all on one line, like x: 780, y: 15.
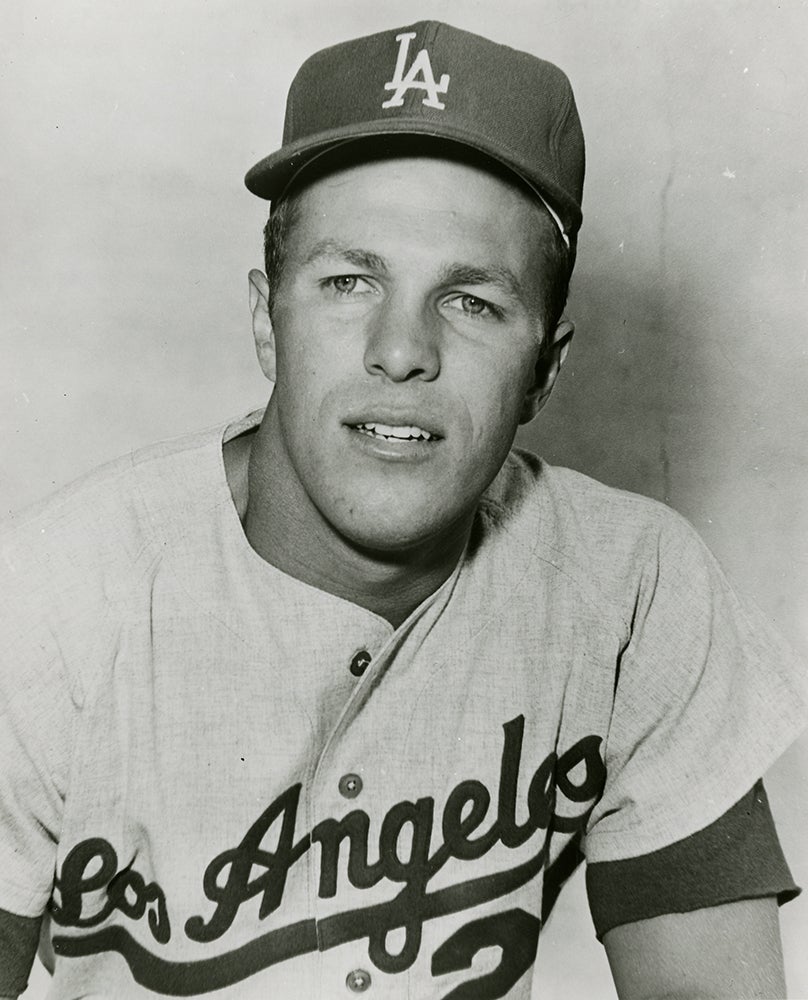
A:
x: 19, y: 937
x: 736, y: 857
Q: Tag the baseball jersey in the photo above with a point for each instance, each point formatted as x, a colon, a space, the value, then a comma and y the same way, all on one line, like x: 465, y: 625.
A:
x: 221, y: 781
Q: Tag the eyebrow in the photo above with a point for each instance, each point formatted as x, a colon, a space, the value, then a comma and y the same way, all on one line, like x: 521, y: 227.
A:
x: 469, y: 274
x: 355, y: 256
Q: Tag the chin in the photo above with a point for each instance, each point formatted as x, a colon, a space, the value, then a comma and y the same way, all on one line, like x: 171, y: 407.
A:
x: 392, y: 541
x: 392, y: 536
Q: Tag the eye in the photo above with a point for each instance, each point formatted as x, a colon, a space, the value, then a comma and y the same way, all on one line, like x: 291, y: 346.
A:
x: 471, y: 304
x: 344, y: 283
x: 347, y: 284
x: 474, y: 306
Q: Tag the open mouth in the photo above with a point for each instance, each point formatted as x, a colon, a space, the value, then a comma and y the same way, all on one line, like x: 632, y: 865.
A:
x: 386, y: 432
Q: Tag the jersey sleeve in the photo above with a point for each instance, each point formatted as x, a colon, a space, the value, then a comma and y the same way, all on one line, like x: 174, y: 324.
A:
x: 36, y: 718
x: 706, y: 697
x: 736, y: 857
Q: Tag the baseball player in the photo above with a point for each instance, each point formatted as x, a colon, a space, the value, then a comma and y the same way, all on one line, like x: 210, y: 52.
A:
x: 333, y: 700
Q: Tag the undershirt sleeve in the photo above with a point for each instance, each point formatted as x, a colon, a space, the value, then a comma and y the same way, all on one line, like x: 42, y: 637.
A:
x: 736, y: 857
x: 19, y: 937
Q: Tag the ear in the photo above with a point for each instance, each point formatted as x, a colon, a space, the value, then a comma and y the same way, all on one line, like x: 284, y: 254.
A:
x: 261, y: 323
x: 548, y: 364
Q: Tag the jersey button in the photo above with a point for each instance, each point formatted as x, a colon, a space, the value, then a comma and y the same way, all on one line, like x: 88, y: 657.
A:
x: 358, y: 981
x: 350, y: 785
x: 360, y: 663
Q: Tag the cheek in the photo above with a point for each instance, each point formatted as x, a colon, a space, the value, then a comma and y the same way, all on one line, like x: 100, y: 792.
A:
x: 309, y: 331
x: 495, y: 399
x: 307, y: 368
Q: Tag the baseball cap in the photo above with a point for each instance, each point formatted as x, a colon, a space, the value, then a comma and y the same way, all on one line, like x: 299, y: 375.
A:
x: 431, y: 79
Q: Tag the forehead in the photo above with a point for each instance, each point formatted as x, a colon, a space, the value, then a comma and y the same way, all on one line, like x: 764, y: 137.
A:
x: 428, y: 206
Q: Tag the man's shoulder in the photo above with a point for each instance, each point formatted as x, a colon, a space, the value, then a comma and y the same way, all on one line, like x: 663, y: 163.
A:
x: 564, y: 504
x: 110, y: 517
x: 601, y: 539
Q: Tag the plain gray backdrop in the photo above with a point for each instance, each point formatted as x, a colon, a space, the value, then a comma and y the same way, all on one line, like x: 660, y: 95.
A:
x: 127, y: 236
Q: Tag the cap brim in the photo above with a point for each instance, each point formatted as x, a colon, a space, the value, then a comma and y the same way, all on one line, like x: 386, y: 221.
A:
x: 270, y: 177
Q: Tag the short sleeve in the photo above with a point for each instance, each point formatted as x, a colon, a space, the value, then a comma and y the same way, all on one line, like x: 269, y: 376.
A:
x: 736, y: 857
x: 706, y: 697
x: 36, y: 718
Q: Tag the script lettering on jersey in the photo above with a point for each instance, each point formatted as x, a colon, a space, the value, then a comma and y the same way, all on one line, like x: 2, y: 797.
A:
x: 469, y: 825
x: 418, y: 77
x: 91, y: 868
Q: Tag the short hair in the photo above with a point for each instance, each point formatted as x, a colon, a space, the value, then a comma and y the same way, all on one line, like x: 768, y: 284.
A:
x: 557, y: 259
x: 276, y: 234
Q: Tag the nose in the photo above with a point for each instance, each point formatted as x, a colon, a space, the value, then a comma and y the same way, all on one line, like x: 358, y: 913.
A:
x: 403, y: 343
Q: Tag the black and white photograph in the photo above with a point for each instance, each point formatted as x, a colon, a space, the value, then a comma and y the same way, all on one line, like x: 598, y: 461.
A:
x: 404, y: 508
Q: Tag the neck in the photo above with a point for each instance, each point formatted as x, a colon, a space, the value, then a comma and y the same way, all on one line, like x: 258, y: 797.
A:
x: 287, y: 530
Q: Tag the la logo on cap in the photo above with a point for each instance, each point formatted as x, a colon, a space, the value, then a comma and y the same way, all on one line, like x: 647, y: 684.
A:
x: 420, y: 65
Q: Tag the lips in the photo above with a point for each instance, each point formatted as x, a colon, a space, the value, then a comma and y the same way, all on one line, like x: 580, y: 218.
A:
x: 395, y: 432
x: 383, y: 422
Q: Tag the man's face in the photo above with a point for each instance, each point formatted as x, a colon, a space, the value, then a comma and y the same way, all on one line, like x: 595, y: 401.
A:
x: 407, y: 334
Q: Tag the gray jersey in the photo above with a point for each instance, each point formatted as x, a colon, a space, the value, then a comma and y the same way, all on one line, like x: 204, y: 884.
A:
x: 247, y: 785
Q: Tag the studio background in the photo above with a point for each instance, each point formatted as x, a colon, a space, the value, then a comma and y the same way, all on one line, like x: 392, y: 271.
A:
x: 127, y: 237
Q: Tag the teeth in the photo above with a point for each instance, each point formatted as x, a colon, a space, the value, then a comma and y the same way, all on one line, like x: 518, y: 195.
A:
x: 406, y: 433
